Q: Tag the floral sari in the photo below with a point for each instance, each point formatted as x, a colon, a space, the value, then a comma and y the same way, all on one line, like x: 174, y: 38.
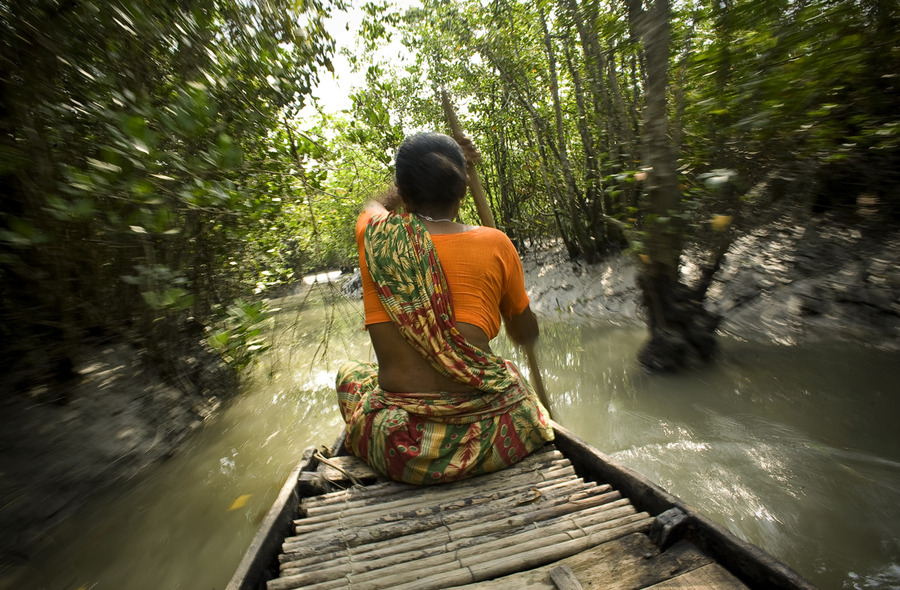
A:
x: 433, y: 437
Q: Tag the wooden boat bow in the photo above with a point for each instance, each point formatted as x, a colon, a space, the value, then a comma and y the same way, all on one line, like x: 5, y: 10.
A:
x: 565, y: 515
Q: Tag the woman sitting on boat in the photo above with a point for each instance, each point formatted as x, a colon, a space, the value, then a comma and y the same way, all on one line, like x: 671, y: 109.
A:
x: 439, y: 406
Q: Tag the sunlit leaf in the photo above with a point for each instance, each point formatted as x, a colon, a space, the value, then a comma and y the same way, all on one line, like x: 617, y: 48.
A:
x: 239, y: 502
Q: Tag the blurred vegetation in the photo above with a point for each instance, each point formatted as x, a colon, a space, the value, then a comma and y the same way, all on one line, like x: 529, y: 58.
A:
x: 155, y: 179
x: 142, y: 165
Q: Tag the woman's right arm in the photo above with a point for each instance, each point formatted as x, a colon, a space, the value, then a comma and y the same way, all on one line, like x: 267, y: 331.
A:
x: 522, y: 328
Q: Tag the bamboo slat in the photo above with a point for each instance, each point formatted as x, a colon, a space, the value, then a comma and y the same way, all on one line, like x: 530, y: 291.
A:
x: 454, y: 526
x: 394, y: 535
x: 361, y: 497
x: 514, y: 507
x: 428, y: 499
x: 469, y: 569
x: 533, y: 462
x: 471, y: 547
x: 453, y: 539
x: 518, y: 561
x: 573, y: 489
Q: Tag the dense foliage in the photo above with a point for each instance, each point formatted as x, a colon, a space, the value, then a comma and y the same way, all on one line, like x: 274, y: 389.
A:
x: 153, y: 168
x: 142, y: 163
x: 649, y: 125
x: 798, y: 94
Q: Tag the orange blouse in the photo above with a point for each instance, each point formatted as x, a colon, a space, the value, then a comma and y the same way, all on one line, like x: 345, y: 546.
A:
x: 483, y: 272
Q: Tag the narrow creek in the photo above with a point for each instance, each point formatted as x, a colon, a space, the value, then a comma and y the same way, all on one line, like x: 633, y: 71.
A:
x: 792, y: 448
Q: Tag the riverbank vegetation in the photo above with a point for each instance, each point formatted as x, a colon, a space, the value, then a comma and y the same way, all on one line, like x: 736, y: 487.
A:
x: 655, y: 127
x: 144, y: 163
x: 157, y: 181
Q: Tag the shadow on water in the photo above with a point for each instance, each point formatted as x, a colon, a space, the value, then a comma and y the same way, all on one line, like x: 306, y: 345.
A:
x: 792, y: 448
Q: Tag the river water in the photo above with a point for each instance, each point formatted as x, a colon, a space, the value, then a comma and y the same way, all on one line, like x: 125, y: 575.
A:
x: 791, y: 448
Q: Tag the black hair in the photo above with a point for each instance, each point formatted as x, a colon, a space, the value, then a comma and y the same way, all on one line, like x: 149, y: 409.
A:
x: 431, y: 170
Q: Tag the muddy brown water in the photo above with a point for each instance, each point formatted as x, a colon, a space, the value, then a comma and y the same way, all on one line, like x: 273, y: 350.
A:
x: 792, y: 448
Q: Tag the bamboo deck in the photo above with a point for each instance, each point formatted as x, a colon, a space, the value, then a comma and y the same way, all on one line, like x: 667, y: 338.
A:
x: 566, y: 517
x: 536, y: 525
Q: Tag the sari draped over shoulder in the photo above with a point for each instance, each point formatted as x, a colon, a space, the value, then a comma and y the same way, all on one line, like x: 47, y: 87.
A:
x: 433, y: 437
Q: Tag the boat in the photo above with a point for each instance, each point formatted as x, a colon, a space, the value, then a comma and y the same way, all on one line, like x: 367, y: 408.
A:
x: 566, y: 516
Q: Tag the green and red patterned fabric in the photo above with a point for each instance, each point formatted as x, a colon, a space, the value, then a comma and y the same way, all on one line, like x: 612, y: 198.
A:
x: 433, y: 437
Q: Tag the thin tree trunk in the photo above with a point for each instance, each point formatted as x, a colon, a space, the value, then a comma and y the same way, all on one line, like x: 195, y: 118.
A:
x: 720, y: 123
x: 595, y: 65
x: 591, y: 177
x: 572, y: 247
x: 681, y: 82
x: 587, y: 244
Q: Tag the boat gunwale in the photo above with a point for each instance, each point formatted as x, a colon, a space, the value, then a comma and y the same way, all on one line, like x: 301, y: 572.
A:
x: 750, y: 563
x: 262, y: 554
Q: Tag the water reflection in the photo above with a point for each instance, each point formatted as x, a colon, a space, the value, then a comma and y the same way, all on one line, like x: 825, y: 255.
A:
x: 791, y: 448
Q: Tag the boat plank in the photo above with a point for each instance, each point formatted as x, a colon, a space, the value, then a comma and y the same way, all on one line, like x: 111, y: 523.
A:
x: 629, y: 562
x: 564, y: 578
x: 753, y: 565
x: 343, y: 468
x: 709, y: 576
x: 260, y: 559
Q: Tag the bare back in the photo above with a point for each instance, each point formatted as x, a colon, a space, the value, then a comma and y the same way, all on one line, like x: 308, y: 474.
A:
x: 401, y: 369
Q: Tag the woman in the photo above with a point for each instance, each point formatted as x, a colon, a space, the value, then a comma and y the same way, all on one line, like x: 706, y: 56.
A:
x: 440, y: 405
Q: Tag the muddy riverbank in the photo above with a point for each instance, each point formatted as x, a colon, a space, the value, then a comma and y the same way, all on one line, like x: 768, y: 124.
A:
x: 117, y: 417
x: 790, y: 282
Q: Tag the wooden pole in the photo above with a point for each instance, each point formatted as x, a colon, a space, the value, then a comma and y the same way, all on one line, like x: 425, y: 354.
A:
x: 481, y: 204
x: 487, y: 219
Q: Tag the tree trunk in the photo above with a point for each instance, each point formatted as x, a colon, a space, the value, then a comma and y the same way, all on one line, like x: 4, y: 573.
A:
x: 625, y: 152
x: 591, y: 175
x: 595, y: 65
x: 586, y: 242
x: 680, y: 85
x: 681, y: 330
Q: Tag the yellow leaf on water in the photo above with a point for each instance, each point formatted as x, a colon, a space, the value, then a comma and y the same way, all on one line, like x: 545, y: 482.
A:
x: 239, y: 502
x: 721, y: 222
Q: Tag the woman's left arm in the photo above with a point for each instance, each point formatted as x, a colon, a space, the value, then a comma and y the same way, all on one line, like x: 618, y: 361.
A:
x: 388, y: 201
